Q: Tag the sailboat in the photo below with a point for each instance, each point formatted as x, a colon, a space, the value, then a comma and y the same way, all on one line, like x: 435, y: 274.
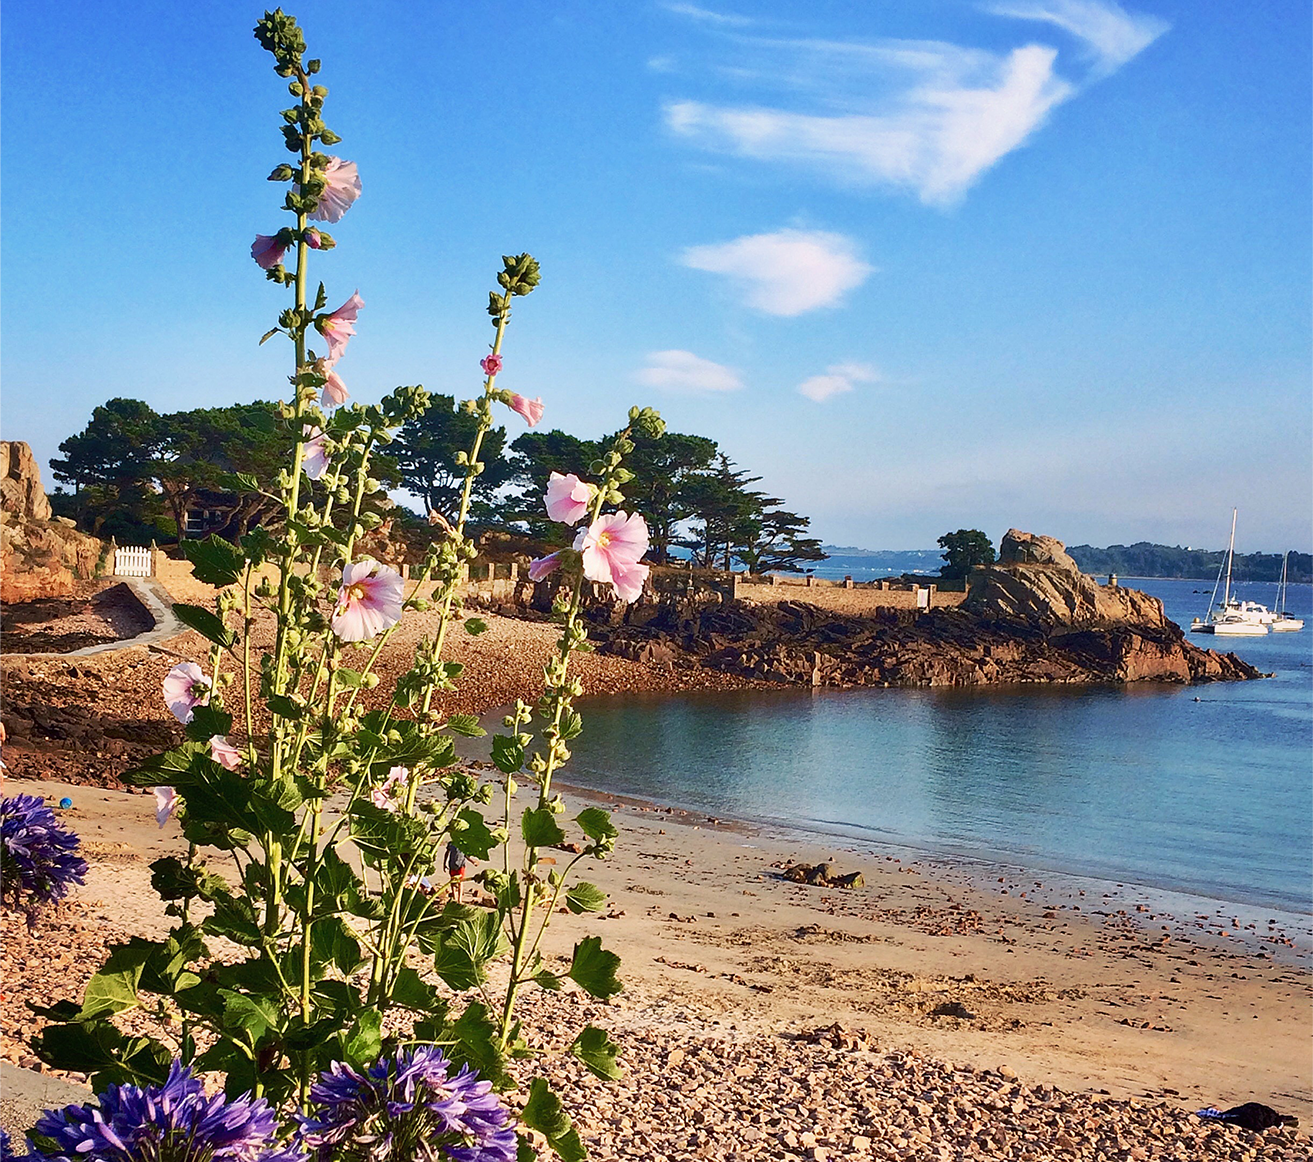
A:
x: 1283, y: 622
x: 1233, y: 618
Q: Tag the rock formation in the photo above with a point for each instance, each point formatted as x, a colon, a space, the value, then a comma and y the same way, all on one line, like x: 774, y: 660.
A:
x: 39, y: 556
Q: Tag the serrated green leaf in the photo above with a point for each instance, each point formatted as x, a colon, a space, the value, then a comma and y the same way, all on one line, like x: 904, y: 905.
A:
x: 596, y: 1050
x: 205, y: 623
x: 540, y: 829
x: 364, y: 1040
x: 585, y: 897
x: 470, y: 833
x: 572, y: 724
x: 596, y: 824
x: 413, y: 991
x: 97, y: 1048
x: 114, y: 988
x: 473, y: 1040
x: 348, y: 679
x: 214, y: 561
x: 545, y: 1113
x: 285, y: 706
x: 547, y: 980
x: 507, y: 754
x: 475, y: 626
x: 465, y: 950
x: 466, y: 725
x: 207, y: 721
x: 593, y: 969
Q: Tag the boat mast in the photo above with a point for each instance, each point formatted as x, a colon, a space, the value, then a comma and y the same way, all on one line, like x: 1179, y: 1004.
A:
x: 1281, y: 589
x: 1230, y: 552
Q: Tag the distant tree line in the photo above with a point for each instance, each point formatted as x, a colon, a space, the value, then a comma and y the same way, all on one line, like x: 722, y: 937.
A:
x: 137, y: 474
x: 1147, y: 560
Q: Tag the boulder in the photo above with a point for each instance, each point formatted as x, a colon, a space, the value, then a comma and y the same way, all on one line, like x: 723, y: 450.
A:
x: 21, y: 493
x: 1018, y: 548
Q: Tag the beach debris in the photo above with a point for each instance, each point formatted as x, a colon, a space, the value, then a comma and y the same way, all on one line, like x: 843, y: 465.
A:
x: 823, y: 875
x: 1253, y: 1115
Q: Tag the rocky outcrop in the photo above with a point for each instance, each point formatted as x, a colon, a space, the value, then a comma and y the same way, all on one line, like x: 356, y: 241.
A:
x: 39, y: 556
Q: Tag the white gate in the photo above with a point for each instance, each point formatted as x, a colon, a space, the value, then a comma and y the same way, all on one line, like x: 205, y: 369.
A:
x: 131, y: 561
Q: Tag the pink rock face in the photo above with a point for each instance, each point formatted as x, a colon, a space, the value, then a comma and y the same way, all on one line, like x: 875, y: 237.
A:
x: 185, y: 688
x: 342, y: 190
x: 567, y: 498
x: 368, y: 602
x: 338, y: 327
x: 530, y: 409
x: 611, y: 548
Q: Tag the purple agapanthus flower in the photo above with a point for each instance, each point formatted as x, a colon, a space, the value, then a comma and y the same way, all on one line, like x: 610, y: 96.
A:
x: 173, y: 1122
x: 40, y: 858
x: 414, y: 1106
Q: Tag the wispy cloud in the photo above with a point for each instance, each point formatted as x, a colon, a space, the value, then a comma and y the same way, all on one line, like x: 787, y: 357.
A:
x: 1114, y: 34
x: 927, y: 117
x: 786, y: 273
x: 684, y: 371
x: 709, y: 16
x: 839, y: 378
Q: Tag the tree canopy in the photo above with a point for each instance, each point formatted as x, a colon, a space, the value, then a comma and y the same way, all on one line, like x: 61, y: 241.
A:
x: 963, y: 550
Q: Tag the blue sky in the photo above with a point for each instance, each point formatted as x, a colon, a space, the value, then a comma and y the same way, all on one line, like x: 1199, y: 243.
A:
x: 920, y: 265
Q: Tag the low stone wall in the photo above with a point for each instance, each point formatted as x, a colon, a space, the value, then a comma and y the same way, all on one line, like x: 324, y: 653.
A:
x: 856, y: 601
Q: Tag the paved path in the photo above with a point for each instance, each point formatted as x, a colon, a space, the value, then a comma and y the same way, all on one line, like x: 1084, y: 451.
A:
x: 24, y: 1095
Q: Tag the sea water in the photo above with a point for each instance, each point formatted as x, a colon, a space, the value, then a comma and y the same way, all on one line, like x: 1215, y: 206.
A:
x: 1205, y: 790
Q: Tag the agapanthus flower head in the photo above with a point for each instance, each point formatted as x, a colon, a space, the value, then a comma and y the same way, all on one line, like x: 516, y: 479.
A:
x: 530, y: 409
x: 369, y: 600
x: 338, y: 327
x: 568, y: 498
x: 491, y: 364
x: 416, y: 1105
x: 611, y: 548
x: 39, y: 858
x: 166, y: 804
x: 185, y: 688
x: 341, y: 189
x: 387, y: 794
x: 314, y: 456
x: 173, y: 1122
x: 543, y: 567
x: 224, y: 753
x: 268, y: 250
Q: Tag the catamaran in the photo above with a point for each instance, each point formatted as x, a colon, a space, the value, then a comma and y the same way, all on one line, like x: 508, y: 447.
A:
x: 1233, y: 618
x: 1282, y: 622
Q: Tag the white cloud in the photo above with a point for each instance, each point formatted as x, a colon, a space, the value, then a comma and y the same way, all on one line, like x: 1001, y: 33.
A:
x: 707, y: 16
x: 942, y: 136
x: 786, y: 273
x: 839, y: 378
x: 684, y: 371
x: 1114, y: 34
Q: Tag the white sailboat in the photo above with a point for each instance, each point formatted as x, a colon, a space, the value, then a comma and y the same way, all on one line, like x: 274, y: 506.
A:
x: 1283, y: 622
x: 1233, y: 618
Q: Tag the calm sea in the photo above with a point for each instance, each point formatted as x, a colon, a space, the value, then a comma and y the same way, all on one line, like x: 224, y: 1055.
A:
x: 1204, y: 790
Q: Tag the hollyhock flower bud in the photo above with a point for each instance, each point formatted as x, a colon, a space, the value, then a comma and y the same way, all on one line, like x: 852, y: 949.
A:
x: 312, y: 238
x: 341, y: 189
x: 491, y: 364
x: 267, y: 251
x: 166, y: 803
x: 368, y: 602
x: 541, y: 567
x: 185, y: 687
x: 567, y: 498
x: 224, y: 753
x: 610, y: 550
x: 314, y: 457
x: 338, y: 327
x: 530, y: 409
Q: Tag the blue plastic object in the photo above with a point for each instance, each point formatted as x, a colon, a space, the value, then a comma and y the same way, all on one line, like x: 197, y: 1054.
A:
x: 66, y: 802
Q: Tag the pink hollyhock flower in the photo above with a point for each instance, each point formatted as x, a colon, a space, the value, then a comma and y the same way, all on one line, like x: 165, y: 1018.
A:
x: 338, y: 327
x: 567, y: 498
x: 314, y: 457
x: 541, y: 567
x: 368, y: 602
x: 312, y: 239
x: 267, y: 251
x: 335, y: 392
x: 224, y: 753
x: 166, y: 803
x: 491, y: 364
x: 530, y: 409
x: 185, y: 688
x: 611, y: 548
x: 387, y: 794
x: 343, y: 188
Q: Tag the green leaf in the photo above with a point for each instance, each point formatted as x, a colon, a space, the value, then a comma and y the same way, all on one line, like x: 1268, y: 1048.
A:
x: 348, y: 679
x: 545, y: 1113
x: 465, y: 950
x: 473, y: 1041
x: 255, y: 1017
x: 593, y: 969
x: 283, y: 705
x: 332, y: 943
x: 209, y: 625
x: 214, y: 561
x: 540, y: 828
x: 475, y: 626
x: 585, y: 897
x: 207, y: 721
x: 507, y: 754
x: 596, y: 1050
x: 597, y: 825
x: 97, y: 1048
x: 470, y: 833
x: 114, y: 988
x: 572, y: 724
x: 548, y: 981
x: 364, y: 1040
x: 466, y: 725
x: 166, y: 769
x: 166, y: 971
x: 413, y: 992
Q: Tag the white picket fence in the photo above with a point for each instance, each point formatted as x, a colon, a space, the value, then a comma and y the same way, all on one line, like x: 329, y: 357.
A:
x: 132, y: 561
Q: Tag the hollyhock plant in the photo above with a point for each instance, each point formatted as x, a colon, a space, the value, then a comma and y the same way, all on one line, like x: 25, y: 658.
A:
x: 185, y: 688
x: 491, y: 364
x: 335, y: 392
x: 611, y: 548
x: 416, y: 1106
x: 368, y: 602
x: 342, y: 188
x: 568, y: 498
x: 224, y: 753
x: 314, y: 456
x: 173, y: 1122
x: 338, y: 327
x: 387, y: 794
x: 530, y: 409
x: 39, y: 858
x: 543, y: 567
x: 166, y: 804
x: 268, y: 250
